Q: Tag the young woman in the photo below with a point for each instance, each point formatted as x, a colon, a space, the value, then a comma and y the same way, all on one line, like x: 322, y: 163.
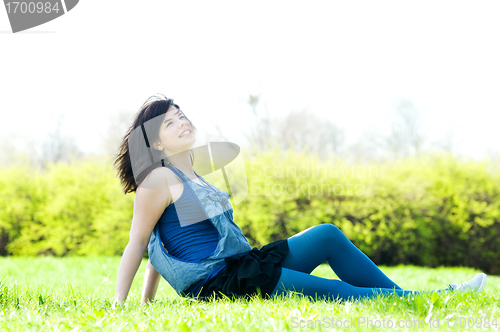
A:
x: 193, y: 243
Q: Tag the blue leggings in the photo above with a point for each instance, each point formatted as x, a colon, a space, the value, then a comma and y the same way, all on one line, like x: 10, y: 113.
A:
x: 360, y: 277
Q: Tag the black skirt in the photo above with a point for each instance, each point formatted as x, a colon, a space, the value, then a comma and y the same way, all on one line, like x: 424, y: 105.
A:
x: 254, y: 272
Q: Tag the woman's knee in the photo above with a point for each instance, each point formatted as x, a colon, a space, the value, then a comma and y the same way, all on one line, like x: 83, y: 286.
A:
x: 329, y: 232
x: 324, y: 234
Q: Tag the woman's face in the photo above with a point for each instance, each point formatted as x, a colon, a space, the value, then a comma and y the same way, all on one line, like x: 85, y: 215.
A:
x: 176, y: 132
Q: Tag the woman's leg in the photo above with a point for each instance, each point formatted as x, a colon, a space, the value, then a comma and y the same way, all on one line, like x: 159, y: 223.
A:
x: 329, y: 289
x: 326, y: 242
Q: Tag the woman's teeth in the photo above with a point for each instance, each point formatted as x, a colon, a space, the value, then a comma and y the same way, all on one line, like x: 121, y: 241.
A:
x: 185, y: 133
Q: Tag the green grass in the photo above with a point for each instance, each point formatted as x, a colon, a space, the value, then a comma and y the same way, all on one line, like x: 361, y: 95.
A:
x: 75, y: 293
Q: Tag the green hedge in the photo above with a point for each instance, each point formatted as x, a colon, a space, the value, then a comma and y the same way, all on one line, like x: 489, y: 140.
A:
x: 75, y: 209
x: 432, y: 211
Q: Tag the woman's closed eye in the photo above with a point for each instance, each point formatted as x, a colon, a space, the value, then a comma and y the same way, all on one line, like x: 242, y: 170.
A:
x: 170, y: 122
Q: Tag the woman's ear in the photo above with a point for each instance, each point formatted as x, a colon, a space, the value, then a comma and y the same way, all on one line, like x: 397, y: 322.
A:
x: 157, y: 146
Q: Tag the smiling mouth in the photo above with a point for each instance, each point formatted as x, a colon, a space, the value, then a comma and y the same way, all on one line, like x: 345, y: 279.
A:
x: 185, y: 133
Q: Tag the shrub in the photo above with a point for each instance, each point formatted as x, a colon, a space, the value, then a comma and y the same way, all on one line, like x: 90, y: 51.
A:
x: 431, y: 211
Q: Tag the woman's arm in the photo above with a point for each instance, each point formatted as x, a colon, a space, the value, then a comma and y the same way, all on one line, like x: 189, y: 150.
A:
x: 151, y: 199
x: 150, y: 285
x: 131, y: 260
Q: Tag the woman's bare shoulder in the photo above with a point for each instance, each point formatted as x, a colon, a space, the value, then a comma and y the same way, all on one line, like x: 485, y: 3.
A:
x: 160, y: 178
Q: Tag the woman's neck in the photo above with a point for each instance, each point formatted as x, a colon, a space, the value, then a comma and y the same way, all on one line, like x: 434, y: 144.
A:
x: 182, y: 161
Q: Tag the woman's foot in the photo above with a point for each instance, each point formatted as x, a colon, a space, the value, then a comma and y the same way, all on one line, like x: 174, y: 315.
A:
x: 477, y: 284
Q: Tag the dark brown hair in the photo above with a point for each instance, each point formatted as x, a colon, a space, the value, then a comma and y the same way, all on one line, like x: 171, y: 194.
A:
x: 135, y: 158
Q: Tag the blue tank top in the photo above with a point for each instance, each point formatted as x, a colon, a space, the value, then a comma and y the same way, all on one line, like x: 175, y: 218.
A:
x: 215, y: 206
x: 189, y: 242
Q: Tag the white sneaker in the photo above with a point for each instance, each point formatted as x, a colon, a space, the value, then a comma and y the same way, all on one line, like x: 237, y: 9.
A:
x: 477, y: 284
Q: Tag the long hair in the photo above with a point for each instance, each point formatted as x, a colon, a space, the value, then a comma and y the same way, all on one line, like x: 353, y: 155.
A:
x: 136, y: 158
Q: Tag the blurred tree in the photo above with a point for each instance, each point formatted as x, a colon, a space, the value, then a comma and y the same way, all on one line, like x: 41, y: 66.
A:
x: 259, y: 136
x: 307, y: 131
x: 56, y: 147
x: 118, y: 124
x: 37, y: 150
x: 300, y: 130
x: 11, y: 151
x: 446, y: 143
x: 369, y: 147
x: 406, y: 138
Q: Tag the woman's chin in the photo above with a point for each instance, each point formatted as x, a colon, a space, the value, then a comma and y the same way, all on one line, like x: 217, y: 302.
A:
x: 187, y: 144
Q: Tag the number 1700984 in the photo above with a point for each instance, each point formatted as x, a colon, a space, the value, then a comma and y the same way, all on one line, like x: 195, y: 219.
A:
x: 32, y: 7
x: 471, y: 322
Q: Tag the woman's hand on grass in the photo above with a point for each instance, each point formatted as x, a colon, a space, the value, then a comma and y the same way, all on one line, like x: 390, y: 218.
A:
x: 117, y: 304
x: 147, y: 302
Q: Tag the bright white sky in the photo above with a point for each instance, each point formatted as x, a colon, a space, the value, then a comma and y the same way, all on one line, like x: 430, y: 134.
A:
x: 350, y: 61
